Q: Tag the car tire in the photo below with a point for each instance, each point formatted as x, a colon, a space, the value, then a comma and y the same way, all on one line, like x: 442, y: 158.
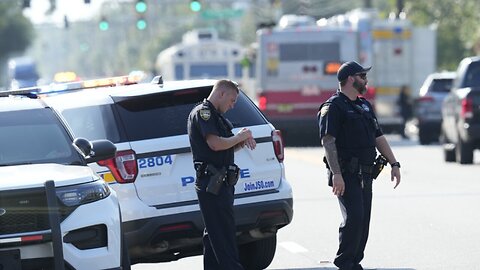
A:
x: 125, y: 259
x: 464, y: 152
x: 259, y: 254
x: 423, y: 137
x: 449, y: 153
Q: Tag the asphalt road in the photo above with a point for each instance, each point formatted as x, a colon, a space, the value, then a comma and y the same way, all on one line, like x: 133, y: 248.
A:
x: 431, y: 221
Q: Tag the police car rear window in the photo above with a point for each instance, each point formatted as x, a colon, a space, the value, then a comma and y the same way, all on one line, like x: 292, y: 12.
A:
x: 165, y: 114
x: 441, y: 85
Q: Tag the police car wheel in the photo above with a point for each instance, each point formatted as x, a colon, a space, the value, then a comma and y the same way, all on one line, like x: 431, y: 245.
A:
x: 259, y: 254
x: 126, y: 264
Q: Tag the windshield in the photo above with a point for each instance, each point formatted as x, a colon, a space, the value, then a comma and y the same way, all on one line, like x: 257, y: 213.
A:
x: 34, y: 136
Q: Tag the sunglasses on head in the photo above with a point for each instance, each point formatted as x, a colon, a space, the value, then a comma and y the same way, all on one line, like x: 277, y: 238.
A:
x: 362, y: 75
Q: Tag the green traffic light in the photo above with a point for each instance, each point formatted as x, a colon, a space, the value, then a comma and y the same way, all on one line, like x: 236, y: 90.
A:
x: 141, y: 7
x: 195, y: 6
x: 141, y: 24
x: 103, y: 25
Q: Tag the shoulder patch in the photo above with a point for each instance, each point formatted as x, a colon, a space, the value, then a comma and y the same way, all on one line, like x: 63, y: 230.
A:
x: 324, y: 110
x: 365, y: 107
x: 205, y: 114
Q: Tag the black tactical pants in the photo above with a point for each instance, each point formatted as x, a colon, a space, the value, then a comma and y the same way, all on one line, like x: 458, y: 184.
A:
x: 356, y: 206
x: 220, y: 251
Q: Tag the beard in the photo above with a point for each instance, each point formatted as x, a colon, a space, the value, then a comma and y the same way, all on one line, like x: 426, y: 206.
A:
x: 360, y: 87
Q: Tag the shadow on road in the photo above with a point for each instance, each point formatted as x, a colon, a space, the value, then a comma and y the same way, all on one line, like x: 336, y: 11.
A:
x: 335, y: 268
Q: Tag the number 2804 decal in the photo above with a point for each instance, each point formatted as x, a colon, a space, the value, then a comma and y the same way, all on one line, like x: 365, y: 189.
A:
x: 155, y: 161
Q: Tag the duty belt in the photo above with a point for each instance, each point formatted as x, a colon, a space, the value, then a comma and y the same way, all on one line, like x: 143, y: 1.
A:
x: 352, y: 166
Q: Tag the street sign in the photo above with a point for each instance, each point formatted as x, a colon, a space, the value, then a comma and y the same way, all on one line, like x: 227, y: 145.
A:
x: 221, y: 14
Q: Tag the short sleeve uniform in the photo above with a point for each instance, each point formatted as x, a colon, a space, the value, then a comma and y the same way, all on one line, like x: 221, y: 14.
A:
x: 353, y: 124
x: 204, y: 119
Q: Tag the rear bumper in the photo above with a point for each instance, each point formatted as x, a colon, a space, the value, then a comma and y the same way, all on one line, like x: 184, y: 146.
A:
x: 171, y: 237
x: 471, y: 133
x: 433, y: 126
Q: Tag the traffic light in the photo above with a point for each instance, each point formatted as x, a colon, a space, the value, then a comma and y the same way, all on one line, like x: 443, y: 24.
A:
x: 141, y: 23
x: 141, y: 6
x: 195, y: 5
x: 140, y: 9
x: 103, y: 24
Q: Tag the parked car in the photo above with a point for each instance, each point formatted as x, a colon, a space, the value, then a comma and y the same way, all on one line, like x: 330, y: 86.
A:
x: 428, y: 106
x: 153, y: 170
x: 55, y: 212
x: 461, y: 113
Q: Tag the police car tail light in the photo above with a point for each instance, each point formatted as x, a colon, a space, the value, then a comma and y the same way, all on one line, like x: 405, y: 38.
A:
x: 262, y: 103
x: 278, y: 144
x: 467, y: 108
x: 123, y: 166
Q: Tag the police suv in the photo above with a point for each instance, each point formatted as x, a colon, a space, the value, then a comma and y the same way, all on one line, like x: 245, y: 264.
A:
x: 55, y: 212
x: 153, y: 170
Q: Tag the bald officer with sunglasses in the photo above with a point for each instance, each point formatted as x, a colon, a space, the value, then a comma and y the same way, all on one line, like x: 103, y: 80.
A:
x: 351, y: 136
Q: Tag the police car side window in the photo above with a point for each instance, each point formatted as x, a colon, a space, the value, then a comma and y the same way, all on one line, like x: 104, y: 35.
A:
x: 93, y: 123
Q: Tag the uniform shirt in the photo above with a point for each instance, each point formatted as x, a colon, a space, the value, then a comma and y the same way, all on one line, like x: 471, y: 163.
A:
x: 354, y: 126
x: 204, y: 119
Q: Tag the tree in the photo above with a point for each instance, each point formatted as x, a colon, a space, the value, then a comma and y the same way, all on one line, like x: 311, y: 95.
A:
x: 16, y: 34
x: 16, y: 31
x: 458, y: 35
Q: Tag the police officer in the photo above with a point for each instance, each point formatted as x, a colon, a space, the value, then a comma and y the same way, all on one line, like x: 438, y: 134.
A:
x: 213, y: 145
x: 350, y: 135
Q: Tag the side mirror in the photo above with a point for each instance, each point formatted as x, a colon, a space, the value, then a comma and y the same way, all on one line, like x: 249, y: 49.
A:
x: 83, y: 145
x: 97, y: 150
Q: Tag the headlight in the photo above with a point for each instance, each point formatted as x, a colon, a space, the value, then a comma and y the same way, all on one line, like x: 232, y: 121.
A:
x: 81, y: 194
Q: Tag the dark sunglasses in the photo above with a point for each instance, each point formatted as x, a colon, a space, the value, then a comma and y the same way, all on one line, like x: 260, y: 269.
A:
x: 362, y: 75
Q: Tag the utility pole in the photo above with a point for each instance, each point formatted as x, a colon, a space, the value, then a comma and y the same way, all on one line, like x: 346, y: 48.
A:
x: 368, y: 3
x: 400, y: 5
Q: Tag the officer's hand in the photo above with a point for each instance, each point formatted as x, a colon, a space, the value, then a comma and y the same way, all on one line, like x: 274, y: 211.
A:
x: 246, y: 138
x: 338, y: 184
x: 395, y: 175
x: 244, y: 134
x: 251, y: 143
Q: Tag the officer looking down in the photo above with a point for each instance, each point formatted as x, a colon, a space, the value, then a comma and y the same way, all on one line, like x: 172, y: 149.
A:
x: 213, y: 144
x: 350, y: 135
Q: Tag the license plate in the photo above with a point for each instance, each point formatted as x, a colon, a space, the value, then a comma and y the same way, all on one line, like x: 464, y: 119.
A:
x: 10, y: 259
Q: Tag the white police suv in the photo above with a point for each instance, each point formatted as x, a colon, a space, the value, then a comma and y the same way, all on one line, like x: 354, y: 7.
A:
x: 153, y: 170
x: 55, y: 212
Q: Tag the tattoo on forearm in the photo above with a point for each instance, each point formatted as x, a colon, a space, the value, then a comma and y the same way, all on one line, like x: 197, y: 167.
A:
x: 331, y: 153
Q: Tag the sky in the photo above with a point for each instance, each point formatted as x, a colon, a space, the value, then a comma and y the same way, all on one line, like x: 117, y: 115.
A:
x: 73, y: 9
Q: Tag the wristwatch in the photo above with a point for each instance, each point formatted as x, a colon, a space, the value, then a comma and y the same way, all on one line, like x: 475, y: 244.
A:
x: 397, y: 164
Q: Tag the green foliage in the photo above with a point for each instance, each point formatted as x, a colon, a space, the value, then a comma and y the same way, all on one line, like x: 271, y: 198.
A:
x: 457, y: 27
x: 16, y: 31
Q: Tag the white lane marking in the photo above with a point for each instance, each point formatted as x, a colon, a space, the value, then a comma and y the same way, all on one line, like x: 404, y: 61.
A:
x: 293, y: 247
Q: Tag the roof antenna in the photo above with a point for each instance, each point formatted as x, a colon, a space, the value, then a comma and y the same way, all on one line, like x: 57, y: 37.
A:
x: 157, y: 80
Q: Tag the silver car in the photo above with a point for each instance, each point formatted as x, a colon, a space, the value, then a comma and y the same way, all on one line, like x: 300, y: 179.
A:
x: 428, y: 105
